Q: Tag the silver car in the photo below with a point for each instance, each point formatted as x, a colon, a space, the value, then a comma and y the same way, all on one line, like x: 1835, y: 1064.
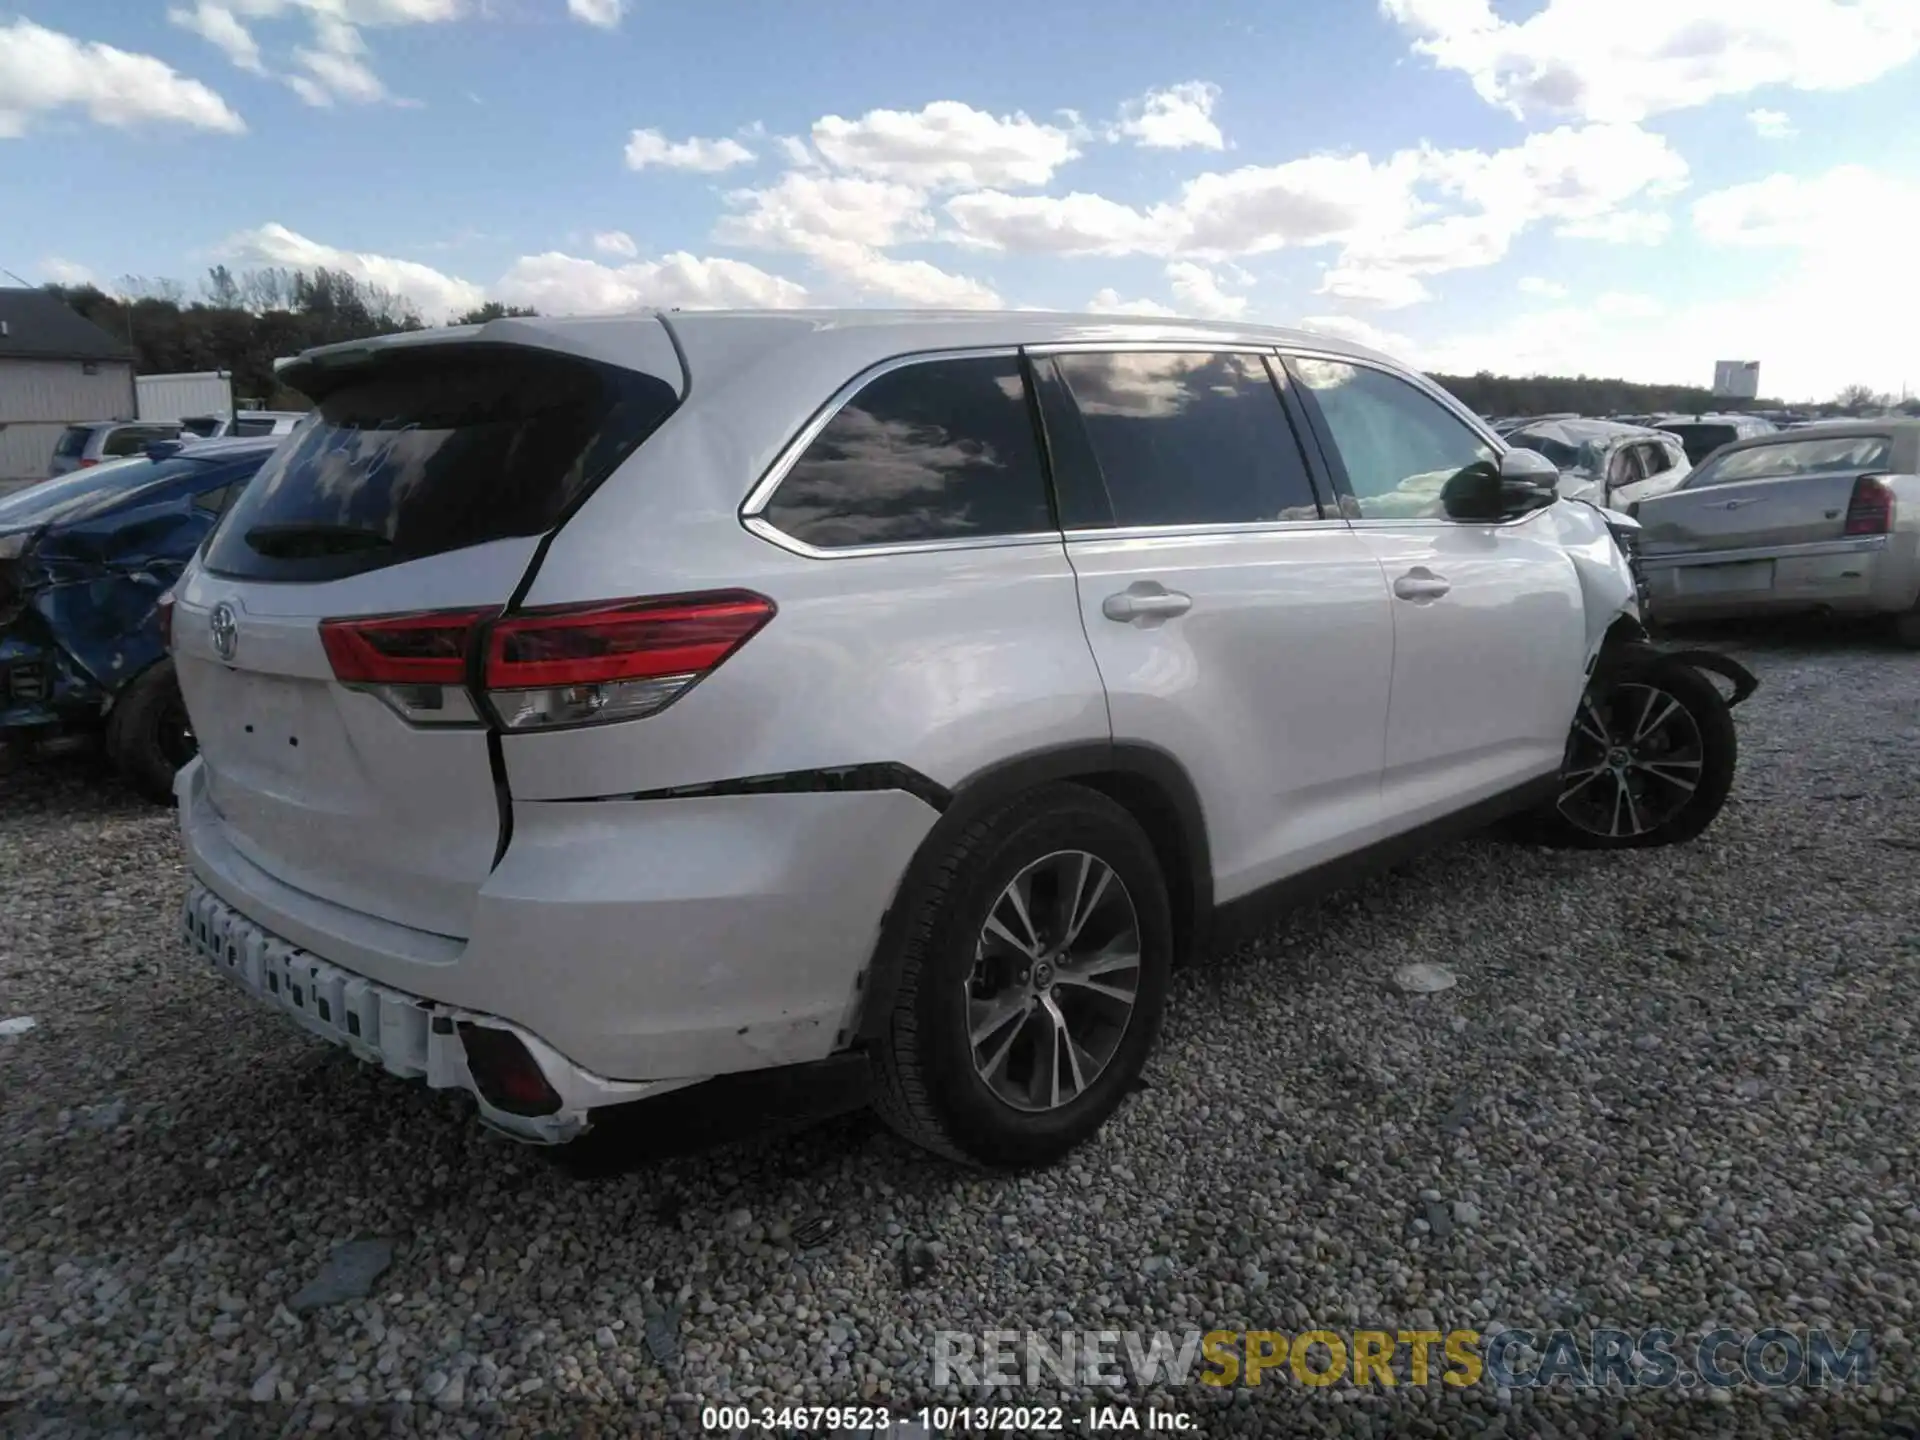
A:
x: 95, y: 442
x: 1605, y: 461
x: 1825, y: 517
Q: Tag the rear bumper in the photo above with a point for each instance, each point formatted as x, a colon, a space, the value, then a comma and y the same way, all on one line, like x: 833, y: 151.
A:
x: 640, y: 941
x: 406, y: 1035
x: 1864, y: 575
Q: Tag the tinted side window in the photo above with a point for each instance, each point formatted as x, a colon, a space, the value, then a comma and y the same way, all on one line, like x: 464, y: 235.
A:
x: 1190, y: 438
x: 1397, y: 445
x: 943, y: 450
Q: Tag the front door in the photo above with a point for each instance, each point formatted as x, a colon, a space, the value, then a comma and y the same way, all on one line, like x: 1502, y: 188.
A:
x: 1488, y: 619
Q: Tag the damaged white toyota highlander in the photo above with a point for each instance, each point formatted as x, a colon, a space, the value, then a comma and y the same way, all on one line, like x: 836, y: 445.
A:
x: 589, y: 709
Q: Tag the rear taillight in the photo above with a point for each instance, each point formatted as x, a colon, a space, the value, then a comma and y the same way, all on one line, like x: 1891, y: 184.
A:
x: 163, y: 621
x: 1870, y: 507
x: 84, y: 464
x: 567, y: 665
x: 416, y: 663
x: 619, y: 660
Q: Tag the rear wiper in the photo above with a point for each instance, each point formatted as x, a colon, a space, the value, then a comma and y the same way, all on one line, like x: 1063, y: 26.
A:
x: 312, y: 539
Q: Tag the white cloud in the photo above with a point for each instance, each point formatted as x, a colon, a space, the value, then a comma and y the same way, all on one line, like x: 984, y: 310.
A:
x: 1622, y: 227
x: 1200, y: 292
x: 1075, y: 224
x: 1108, y: 302
x: 1415, y: 213
x: 1841, y: 210
x: 616, y: 242
x: 1384, y: 286
x: 604, y: 13
x: 1547, y: 289
x: 434, y: 294
x: 557, y: 284
x: 802, y: 206
x: 871, y: 274
x: 650, y: 147
x: 1827, y: 318
x: 43, y: 70
x: 335, y: 66
x: 1177, y: 118
x: 1624, y: 60
x: 1359, y: 332
x: 219, y: 27
x: 57, y: 271
x: 1771, y: 124
x: 946, y: 143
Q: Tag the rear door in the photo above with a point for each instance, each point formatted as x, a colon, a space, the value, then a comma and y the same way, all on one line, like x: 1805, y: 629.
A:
x: 1489, y: 619
x: 1237, y: 625
x: 424, y: 484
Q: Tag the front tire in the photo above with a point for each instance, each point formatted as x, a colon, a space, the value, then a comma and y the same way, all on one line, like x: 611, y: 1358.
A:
x: 1032, y: 976
x: 1650, y: 761
x: 149, y: 736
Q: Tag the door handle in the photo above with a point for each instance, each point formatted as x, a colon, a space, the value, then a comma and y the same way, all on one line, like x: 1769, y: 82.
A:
x: 1736, y: 504
x: 1420, y: 585
x: 1145, y: 602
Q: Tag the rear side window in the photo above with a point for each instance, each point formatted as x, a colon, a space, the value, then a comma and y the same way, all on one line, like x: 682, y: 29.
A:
x: 423, y: 452
x: 73, y: 442
x: 939, y: 450
x: 1189, y: 438
x: 253, y: 425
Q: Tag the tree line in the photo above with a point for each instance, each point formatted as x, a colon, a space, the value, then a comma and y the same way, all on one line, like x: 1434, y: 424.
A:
x: 242, y: 322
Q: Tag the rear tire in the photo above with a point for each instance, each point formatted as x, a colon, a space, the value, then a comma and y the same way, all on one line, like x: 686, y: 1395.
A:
x: 1650, y: 761
x: 148, y: 734
x: 1906, y: 628
x: 1015, y: 941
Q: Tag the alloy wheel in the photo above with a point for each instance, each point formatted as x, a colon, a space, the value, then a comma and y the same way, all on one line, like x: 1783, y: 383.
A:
x: 1055, y: 980
x: 1633, y: 762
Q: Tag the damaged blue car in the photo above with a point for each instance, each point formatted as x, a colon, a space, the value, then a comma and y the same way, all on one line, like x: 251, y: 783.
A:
x: 84, y: 562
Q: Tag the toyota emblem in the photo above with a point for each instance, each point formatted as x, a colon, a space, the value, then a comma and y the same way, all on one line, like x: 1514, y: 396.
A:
x: 226, y: 634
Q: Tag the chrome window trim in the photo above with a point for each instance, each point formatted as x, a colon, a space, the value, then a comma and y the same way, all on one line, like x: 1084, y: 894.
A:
x: 759, y: 525
x: 752, y: 510
x: 753, y: 507
x: 1202, y: 530
x: 1056, y: 348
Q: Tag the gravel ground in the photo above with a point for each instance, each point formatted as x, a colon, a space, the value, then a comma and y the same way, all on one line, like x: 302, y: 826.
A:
x: 1675, y: 1088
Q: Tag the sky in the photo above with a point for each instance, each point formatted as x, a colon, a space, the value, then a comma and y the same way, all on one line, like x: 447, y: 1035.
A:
x: 1607, y: 187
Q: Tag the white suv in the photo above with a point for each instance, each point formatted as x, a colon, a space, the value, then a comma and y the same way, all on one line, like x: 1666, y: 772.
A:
x: 591, y: 708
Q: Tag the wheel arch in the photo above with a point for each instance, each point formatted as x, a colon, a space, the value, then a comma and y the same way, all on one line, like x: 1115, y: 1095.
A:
x: 1145, y: 781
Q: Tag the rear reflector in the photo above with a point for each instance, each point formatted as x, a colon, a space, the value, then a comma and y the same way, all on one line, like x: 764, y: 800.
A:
x: 1870, y: 507
x: 588, y: 664
x: 429, y: 648
x: 507, y: 1077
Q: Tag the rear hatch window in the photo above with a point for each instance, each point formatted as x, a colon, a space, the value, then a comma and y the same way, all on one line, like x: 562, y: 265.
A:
x: 422, y: 451
x: 73, y: 443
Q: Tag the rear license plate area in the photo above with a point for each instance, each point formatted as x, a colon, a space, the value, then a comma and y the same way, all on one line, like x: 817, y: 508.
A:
x: 1742, y: 577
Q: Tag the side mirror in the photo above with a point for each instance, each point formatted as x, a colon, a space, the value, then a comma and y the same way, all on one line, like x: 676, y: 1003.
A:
x: 1521, y: 482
